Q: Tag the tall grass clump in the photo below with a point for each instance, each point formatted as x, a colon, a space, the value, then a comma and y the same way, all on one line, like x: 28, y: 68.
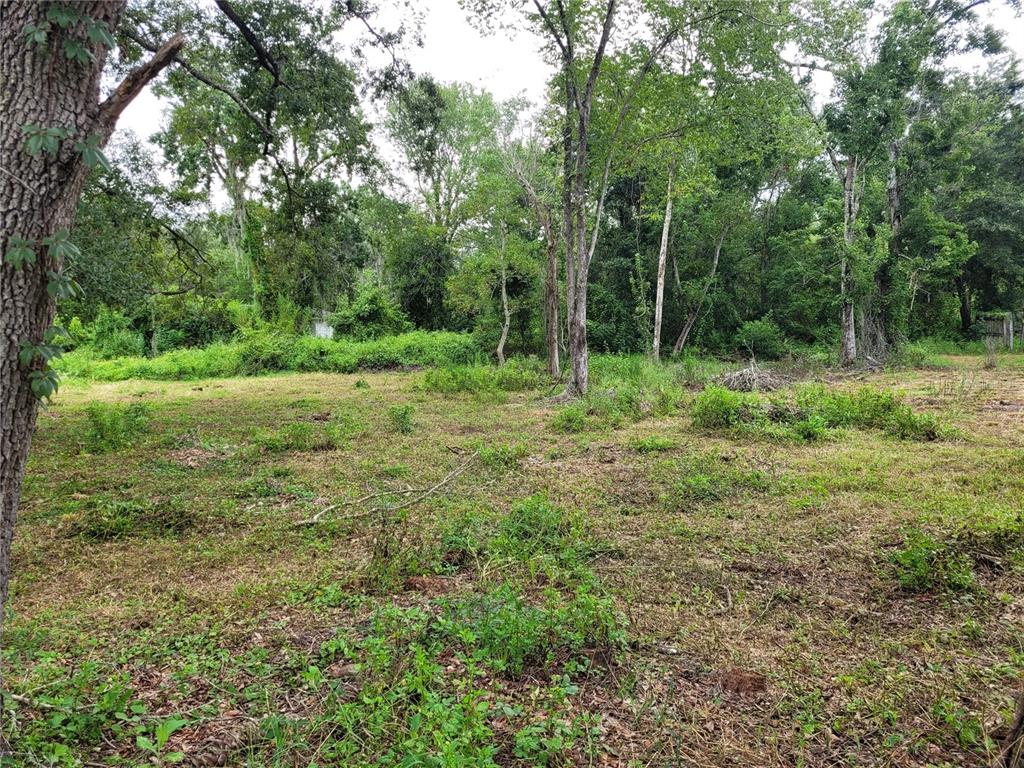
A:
x: 516, y: 375
x: 269, y: 351
x: 112, y: 427
x: 812, y: 411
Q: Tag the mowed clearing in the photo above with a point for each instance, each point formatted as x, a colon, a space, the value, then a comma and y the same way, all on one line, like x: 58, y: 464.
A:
x: 635, y: 593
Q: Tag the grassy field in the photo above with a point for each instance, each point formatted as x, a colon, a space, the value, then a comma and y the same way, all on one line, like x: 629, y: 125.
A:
x: 443, y: 568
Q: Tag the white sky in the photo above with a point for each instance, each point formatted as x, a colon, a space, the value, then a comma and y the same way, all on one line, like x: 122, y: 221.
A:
x: 507, y: 63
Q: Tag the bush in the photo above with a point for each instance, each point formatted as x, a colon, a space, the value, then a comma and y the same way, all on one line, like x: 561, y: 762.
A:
x: 720, y: 408
x: 190, y: 321
x: 515, y: 376
x: 762, y: 339
x: 113, y: 427
x: 267, y: 351
x: 113, y: 335
x: 571, y: 419
x: 370, y: 315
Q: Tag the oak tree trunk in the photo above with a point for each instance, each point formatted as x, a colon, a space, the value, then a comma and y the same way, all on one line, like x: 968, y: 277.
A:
x: 42, y: 87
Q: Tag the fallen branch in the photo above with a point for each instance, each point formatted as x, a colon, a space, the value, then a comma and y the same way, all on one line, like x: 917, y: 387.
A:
x: 422, y: 493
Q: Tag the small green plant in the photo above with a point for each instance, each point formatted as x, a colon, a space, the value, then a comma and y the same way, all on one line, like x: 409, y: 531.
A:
x: 400, y: 417
x: 926, y: 564
x: 653, y: 444
x: 103, y: 518
x: 502, y: 456
x: 113, y: 427
x: 571, y: 419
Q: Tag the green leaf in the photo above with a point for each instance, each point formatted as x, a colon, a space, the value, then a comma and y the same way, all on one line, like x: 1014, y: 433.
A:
x: 36, y: 34
x: 44, y: 383
x: 75, y: 50
x: 58, y: 246
x: 165, y: 729
x: 40, y: 139
x: 144, y: 743
x: 91, y: 153
x: 62, y: 15
x: 99, y: 32
x: 20, y: 251
x: 60, y: 286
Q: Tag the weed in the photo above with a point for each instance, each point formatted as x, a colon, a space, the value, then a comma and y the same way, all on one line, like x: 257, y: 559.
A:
x: 114, y: 427
x: 103, y: 518
x: 503, y: 456
x: 925, y: 564
x: 571, y: 419
x: 652, y: 444
x: 401, y: 419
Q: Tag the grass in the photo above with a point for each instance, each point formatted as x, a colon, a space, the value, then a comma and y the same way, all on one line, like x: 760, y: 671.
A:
x: 643, y: 589
x: 260, y: 352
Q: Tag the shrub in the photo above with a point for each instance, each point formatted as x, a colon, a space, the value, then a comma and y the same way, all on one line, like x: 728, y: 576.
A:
x: 370, y: 315
x: 112, y: 427
x: 761, y: 339
x: 515, y: 376
x: 267, y: 351
x: 571, y: 419
x: 113, y: 335
x: 190, y: 321
x: 720, y: 408
x: 400, y: 417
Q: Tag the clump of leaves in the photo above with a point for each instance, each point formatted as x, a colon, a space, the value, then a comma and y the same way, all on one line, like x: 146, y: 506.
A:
x: 926, y: 564
x: 400, y: 417
x: 113, y: 427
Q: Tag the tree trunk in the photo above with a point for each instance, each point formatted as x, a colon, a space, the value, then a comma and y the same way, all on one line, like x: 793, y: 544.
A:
x: 504, y: 304
x: 659, y: 296
x: 966, y: 319
x: 579, y: 356
x: 42, y: 87
x: 848, y: 343
x: 695, y: 312
x: 551, y: 293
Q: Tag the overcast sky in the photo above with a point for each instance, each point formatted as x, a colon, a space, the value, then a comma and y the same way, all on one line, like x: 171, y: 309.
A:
x: 507, y: 63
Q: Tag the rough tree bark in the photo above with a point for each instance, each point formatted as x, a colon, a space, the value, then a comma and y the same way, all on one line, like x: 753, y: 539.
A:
x: 40, y: 86
x: 659, y: 297
x: 684, y: 334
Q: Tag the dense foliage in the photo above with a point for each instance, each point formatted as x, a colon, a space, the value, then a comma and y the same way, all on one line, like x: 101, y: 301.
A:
x: 453, y: 235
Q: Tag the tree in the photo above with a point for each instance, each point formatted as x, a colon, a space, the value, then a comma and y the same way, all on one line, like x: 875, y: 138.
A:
x: 54, y: 129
